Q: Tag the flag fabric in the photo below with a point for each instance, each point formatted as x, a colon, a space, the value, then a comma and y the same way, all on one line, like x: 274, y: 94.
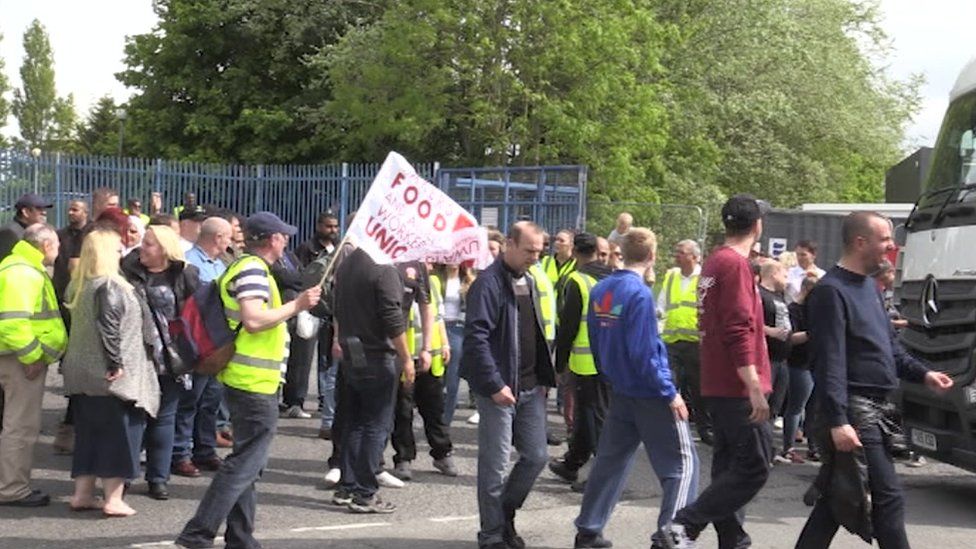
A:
x: 405, y: 218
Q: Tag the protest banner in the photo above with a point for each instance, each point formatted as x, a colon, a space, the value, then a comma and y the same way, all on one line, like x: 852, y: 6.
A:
x: 405, y: 218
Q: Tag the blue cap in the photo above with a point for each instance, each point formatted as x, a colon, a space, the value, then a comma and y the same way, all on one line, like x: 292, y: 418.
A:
x: 263, y: 224
x: 31, y: 200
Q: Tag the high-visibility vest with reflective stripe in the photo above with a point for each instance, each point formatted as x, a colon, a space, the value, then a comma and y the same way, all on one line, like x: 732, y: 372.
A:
x: 415, y: 333
x: 31, y: 327
x: 256, y: 365
x: 680, y: 308
x: 581, y: 357
x: 545, y: 302
x: 554, y: 272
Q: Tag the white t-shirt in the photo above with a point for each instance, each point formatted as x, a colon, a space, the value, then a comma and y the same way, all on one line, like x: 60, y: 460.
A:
x: 794, y: 278
x: 452, y: 300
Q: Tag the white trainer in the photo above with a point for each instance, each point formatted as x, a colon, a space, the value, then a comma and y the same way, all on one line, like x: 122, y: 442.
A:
x: 387, y: 480
x: 473, y: 420
x: 332, y: 478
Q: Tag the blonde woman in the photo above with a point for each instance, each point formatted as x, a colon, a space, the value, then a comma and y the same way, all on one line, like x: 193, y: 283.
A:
x: 455, y: 281
x: 108, y: 372
x: 164, y: 281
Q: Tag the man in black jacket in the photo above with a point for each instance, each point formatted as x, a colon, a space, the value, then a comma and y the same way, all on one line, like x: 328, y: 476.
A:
x: 591, y: 391
x: 29, y: 209
x: 857, y: 361
x: 508, y: 364
x: 372, y: 333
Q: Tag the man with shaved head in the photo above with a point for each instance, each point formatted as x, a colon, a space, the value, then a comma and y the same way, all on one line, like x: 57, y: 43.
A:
x: 195, y: 439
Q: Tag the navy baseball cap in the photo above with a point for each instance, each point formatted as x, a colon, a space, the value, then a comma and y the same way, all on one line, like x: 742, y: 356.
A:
x: 262, y: 224
x: 31, y: 200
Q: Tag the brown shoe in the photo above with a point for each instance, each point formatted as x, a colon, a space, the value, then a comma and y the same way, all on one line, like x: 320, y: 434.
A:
x: 325, y: 434
x: 209, y: 464
x: 185, y: 468
x: 64, y: 439
x: 224, y: 440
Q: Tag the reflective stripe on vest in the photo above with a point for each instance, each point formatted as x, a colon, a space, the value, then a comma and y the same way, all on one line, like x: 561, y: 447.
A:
x: 680, y: 308
x: 415, y: 332
x: 256, y: 364
x: 581, y: 357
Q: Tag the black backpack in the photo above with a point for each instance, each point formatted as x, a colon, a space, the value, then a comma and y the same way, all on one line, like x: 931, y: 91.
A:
x: 312, y: 275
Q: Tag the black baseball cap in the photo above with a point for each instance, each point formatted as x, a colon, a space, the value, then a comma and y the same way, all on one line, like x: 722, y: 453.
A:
x: 32, y: 200
x: 262, y: 224
x: 584, y: 243
x: 193, y: 214
x: 742, y: 210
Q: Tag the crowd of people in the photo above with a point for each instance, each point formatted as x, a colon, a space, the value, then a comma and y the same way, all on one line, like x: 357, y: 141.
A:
x: 726, y: 348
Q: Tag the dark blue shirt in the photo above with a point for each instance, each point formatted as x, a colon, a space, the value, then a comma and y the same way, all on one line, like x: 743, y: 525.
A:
x: 853, y: 347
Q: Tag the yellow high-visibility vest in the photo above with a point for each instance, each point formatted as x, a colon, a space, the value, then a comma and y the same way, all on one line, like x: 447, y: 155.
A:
x: 581, y: 357
x: 545, y: 302
x: 680, y: 308
x: 256, y: 365
x: 556, y: 273
x: 415, y: 334
x: 31, y: 327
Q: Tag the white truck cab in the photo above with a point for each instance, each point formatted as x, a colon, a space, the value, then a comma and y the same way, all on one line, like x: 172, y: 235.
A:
x: 936, y: 287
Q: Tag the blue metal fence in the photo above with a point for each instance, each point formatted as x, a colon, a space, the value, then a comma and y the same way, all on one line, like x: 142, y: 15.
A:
x: 551, y: 195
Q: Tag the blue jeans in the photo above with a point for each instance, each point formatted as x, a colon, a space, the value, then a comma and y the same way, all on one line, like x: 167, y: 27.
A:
x: 161, y: 430
x: 327, y: 385
x: 452, y: 375
x: 801, y: 385
x: 231, y: 495
x: 523, y: 424
x: 669, y: 447
x: 196, y: 420
x: 367, y: 411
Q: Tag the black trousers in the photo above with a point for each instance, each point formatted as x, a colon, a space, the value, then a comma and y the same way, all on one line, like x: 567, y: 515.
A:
x: 427, y: 395
x: 300, y: 357
x: 592, y: 403
x: 888, y: 502
x: 686, y: 368
x: 740, y: 467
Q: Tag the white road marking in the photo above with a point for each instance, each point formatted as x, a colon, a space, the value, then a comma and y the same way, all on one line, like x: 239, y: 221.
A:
x: 453, y: 519
x: 340, y: 527
x: 218, y: 539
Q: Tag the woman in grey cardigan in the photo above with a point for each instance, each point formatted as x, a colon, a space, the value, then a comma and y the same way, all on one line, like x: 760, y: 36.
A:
x: 108, y: 372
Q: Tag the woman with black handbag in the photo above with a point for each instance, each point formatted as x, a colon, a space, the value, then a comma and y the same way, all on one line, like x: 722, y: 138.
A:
x: 164, y: 281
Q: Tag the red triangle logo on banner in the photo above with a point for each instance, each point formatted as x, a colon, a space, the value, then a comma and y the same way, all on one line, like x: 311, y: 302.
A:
x: 462, y: 223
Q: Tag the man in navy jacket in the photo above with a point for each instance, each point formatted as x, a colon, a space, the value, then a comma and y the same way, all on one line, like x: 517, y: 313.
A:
x: 508, y: 364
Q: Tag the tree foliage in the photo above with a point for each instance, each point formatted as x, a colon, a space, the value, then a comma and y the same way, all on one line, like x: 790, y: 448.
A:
x: 222, y: 80
x: 46, y: 120
x: 98, y: 134
x: 677, y: 101
x: 4, y: 103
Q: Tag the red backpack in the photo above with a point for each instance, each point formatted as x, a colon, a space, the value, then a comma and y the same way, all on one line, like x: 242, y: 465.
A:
x: 201, y: 334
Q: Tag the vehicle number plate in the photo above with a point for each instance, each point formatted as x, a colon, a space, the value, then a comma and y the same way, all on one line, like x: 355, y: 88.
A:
x: 924, y: 439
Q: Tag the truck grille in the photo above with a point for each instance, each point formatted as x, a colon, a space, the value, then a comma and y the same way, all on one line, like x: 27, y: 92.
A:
x: 947, y: 343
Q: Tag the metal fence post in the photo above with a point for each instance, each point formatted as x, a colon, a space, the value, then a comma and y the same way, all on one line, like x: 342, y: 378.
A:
x: 259, y: 188
x: 57, y: 190
x: 581, y: 187
x: 343, y: 195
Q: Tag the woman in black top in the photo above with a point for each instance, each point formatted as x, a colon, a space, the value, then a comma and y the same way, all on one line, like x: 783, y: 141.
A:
x: 801, y: 378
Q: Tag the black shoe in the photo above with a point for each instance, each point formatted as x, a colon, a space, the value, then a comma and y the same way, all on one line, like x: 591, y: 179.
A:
x: 561, y: 470
x: 587, y: 541
x: 373, y: 505
x: 496, y: 545
x: 579, y: 486
x: 553, y: 440
x: 511, y: 537
x: 36, y: 498
x: 158, y: 490
x: 706, y: 436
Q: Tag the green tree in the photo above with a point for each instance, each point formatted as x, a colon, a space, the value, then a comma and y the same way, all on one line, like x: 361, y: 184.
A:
x: 505, y: 82
x: 45, y: 120
x: 98, y: 134
x: 4, y: 103
x: 226, y: 81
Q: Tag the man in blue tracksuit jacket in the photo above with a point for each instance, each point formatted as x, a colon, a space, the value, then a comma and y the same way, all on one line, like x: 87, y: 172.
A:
x: 645, y: 407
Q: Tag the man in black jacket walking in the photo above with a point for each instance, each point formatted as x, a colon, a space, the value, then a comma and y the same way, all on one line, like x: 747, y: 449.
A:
x: 857, y: 361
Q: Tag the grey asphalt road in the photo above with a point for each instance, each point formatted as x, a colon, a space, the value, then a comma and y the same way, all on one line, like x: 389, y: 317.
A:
x: 436, y: 512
